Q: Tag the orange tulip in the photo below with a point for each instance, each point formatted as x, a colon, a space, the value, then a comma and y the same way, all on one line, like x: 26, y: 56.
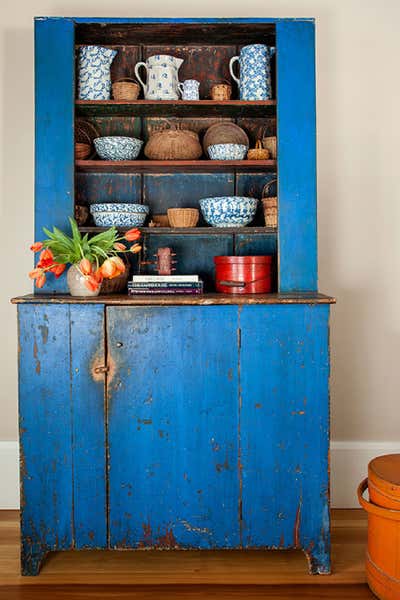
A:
x: 91, y: 283
x: 41, y: 280
x: 46, y: 258
x: 85, y: 266
x: 58, y: 269
x: 37, y: 246
x: 135, y: 248
x: 108, y: 269
x: 120, y: 247
x: 132, y: 234
x: 98, y: 276
x: 35, y: 273
x: 119, y: 263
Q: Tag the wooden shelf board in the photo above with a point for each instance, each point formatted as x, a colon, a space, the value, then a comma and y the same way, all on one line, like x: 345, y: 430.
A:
x: 183, y: 108
x: 189, y: 230
x: 157, y: 166
x: 201, y: 299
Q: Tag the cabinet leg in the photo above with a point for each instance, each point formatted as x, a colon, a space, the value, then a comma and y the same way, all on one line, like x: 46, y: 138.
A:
x: 319, y: 561
x: 32, y: 557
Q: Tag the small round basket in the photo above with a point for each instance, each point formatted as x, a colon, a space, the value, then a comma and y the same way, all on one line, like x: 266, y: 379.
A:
x: 258, y: 153
x: 125, y: 89
x: 82, y: 150
x: 183, y: 217
x: 221, y: 92
x: 270, y: 206
x: 269, y: 143
x: 224, y: 133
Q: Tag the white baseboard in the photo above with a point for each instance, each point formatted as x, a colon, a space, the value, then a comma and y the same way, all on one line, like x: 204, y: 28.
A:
x: 349, y: 461
x: 9, y: 475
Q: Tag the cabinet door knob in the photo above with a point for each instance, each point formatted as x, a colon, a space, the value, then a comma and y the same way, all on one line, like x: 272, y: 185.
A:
x: 119, y: 344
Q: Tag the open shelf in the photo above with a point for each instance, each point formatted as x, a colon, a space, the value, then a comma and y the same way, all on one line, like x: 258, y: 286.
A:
x: 179, y: 108
x: 171, y: 166
x: 189, y: 230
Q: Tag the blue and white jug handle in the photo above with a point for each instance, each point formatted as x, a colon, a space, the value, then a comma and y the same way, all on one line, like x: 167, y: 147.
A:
x: 137, y: 67
x: 180, y: 87
x: 272, y: 50
x: 231, y: 62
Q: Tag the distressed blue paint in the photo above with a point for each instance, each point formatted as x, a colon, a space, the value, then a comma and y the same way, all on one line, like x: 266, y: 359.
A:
x: 163, y: 191
x: 45, y: 432
x: 108, y: 187
x: 226, y: 20
x: 194, y: 253
x: 296, y: 157
x: 88, y: 436
x: 173, y: 427
x: 54, y: 129
x: 284, y: 429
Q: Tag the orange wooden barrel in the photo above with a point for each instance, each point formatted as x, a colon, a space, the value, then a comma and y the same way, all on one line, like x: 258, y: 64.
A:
x: 383, y: 508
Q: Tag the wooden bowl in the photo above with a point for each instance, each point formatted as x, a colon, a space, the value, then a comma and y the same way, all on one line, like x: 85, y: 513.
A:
x: 183, y: 217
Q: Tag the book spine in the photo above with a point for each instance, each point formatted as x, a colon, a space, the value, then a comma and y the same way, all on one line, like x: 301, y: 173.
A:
x: 167, y: 291
x: 164, y: 278
x: 155, y: 285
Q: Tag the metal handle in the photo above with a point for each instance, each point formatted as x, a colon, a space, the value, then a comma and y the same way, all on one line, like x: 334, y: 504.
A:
x: 231, y: 62
x: 240, y: 283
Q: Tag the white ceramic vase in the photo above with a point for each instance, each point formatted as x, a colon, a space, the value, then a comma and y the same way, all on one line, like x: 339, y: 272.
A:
x: 76, y: 284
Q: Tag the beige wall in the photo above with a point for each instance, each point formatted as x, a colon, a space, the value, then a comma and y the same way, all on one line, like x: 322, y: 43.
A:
x: 358, y: 50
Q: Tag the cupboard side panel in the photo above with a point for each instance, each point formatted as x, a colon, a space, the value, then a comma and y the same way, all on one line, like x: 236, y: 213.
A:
x: 45, y: 432
x: 54, y: 130
x: 284, y: 425
x: 297, y: 213
x: 172, y: 425
x: 88, y: 416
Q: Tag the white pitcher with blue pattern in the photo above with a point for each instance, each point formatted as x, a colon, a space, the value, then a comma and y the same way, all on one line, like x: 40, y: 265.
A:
x: 94, y: 78
x: 255, y: 72
x: 162, y: 77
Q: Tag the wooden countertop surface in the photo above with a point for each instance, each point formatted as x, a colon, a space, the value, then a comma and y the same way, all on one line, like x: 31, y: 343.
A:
x: 176, y: 300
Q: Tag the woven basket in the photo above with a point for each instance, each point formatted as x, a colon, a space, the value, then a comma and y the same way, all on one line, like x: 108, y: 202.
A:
x: 270, y: 206
x: 125, y: 89
x: 221, y: 91
x: 225, y: 133
x: 269, y: 143
x: 258, y: 153
x: 183, y: 217
x: 82, y: 150
x: 85, y: 132
x: 117, y: 285
x: 173, y: 144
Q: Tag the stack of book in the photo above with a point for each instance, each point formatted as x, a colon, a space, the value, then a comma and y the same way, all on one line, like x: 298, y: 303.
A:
x: 165, y: 284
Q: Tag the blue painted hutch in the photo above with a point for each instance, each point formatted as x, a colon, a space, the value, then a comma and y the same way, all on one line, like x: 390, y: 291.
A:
x: 177, y: 422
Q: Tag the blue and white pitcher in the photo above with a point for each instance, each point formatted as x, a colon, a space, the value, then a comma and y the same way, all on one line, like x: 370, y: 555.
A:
x: 162, y: 77
x: 255, y: 72
x: 94, y: 79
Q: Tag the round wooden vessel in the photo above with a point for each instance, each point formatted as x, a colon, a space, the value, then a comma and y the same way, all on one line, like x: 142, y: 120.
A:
x: 383, y: 508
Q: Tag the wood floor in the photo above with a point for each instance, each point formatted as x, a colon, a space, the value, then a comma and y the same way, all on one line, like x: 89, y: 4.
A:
x: 188, y: 575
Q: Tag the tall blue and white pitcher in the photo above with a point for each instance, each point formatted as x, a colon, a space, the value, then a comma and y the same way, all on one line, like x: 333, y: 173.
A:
x: 94, y: 79
x: 255, y: 72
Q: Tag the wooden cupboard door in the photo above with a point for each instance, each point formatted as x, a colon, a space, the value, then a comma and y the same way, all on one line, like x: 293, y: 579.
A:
x: 284, y: 429
x: 62, y: 432
x: 172, y: 427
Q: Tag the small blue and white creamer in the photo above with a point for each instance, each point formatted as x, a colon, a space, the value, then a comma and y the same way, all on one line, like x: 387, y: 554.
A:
x: 94, y: 78
x: 255, y: 72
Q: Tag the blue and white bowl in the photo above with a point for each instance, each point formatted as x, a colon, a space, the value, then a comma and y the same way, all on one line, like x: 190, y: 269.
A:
x: 116, y: 147
x: 228, y: 211
x: 119, y: 215
x: 119, y: 206
x: 227, y: 151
